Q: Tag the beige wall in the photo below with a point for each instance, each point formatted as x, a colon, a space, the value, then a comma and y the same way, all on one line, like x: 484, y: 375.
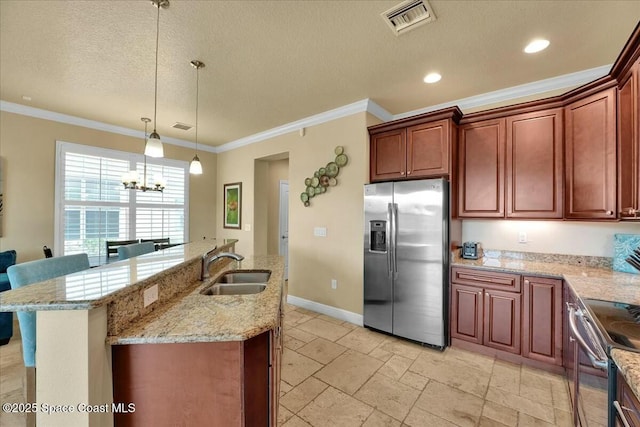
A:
x: 557, y: 237
x: 27, y: 152
x: 313, y: 261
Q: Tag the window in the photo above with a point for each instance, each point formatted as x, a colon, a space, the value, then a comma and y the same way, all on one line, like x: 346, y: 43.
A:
x: 92, y: 206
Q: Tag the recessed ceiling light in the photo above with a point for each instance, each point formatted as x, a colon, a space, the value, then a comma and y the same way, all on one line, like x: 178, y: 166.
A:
x: 536, y: 46
x: 432, y: 78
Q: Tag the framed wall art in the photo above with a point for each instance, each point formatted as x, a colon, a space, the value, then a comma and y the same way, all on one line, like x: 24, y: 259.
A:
x: 233, y: 205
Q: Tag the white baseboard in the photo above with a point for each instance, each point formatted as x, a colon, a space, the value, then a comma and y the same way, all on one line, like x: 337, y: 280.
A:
x: 334, y: 312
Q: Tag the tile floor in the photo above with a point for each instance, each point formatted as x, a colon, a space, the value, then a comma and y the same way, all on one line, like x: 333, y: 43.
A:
x: 338, y: 374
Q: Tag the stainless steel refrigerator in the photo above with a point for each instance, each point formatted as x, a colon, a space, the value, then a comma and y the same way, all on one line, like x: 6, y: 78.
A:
x: 406, y: 259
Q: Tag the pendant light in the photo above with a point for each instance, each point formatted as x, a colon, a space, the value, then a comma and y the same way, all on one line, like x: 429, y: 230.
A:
x: 153, y: 148
x: 195, y: 168
x: 131, y: 180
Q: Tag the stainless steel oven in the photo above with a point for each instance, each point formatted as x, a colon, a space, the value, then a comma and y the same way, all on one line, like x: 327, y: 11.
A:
x: 587, y: 364
x: 617, y: 325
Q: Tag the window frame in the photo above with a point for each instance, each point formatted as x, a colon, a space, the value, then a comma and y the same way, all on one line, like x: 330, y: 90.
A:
x: 63, y: 147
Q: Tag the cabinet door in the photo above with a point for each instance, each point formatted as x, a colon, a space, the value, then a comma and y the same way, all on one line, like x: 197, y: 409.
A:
x: 388, y: 155
x: 502, y: 320
x: 466, y: 313
x: 534, y: 165
x: 629, y: 145
x: 590, y: 147
x: 542, y: 320
x: 428, y: 150
x: 481, y: 169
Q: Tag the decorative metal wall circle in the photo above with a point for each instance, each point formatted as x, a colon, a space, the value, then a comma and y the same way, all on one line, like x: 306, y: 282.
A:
x: 324, y: 177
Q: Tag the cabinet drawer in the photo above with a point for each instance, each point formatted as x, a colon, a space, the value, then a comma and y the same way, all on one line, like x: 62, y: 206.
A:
x: 486, y: 279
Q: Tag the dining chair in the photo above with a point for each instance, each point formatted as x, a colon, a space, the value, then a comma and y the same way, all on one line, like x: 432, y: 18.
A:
x: 31, y: 272
x: 129, y: 251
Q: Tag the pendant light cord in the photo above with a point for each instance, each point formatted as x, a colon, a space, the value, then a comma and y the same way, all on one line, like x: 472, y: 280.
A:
x: 155, y: 103
x: 197, y: 95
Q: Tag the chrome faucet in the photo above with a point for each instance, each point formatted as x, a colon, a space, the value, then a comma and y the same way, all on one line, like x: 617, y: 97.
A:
x: 208, y: 259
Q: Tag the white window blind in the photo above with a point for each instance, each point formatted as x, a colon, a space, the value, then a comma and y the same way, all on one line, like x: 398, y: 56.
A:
x: 92, y: 205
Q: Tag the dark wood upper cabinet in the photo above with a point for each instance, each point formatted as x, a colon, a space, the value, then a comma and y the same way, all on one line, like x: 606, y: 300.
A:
x: 423, y: 146
x: 428, y: 149
x: 388, y: 155
x: 629, y: 145
x: 534, y: 165
x: 481, y: 169
x: 590, y: 153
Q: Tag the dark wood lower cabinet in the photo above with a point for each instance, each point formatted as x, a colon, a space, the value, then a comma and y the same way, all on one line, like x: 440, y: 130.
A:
x: 466, y: 313
x: 513, y: 317
x: 542, y: 319
x: 487, y: 317
x: 502, y: 320
x: 213, y: 383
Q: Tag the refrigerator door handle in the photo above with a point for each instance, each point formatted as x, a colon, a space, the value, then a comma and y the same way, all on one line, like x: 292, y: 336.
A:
x: 395, y: 240
x: 389, y: 243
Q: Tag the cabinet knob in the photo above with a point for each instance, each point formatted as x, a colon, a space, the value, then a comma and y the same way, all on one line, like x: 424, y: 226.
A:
x: 609, y: 212
x: 409, y: 173
x: 526, y: 283
x: 480, y: 293
x: 401, y: 173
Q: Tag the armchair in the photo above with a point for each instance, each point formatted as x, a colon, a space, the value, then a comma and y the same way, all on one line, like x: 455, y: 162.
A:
x: 7, y: 259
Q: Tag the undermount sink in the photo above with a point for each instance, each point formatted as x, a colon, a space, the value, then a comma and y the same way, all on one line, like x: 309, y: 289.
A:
x: 235, y: 289
x: 239, y: 283
x: 261, y: 276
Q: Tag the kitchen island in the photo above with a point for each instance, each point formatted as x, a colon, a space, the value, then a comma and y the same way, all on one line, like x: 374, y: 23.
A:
x: 82, y: 316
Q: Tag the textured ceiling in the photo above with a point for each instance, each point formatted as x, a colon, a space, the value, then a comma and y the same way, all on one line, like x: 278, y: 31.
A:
x: 273, y: 62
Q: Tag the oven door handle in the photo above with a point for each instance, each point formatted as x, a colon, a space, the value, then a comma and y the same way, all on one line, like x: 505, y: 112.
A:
x: 596, y: 360
x: 616, y: 405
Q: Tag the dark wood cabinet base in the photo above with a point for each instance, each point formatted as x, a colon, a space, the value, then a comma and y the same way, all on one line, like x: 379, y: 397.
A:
x: 195, y: 384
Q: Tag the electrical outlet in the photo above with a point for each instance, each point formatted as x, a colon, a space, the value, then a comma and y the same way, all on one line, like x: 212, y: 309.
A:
x: 320, y: 231
x: 334, y: 284
x: 150, y: 295
x: 522, y: 237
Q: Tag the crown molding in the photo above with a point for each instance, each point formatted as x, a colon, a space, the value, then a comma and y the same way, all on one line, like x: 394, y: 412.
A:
x: 327, y: 116
x: 564, y: 81
x: 39, y: 113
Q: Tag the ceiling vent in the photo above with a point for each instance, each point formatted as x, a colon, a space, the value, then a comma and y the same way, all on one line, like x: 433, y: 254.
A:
x: 181, y: 126
x: 408, y: 15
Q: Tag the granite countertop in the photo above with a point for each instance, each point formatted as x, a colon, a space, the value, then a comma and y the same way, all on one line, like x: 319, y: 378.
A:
x: 587, y: 281
x: 98, y: 286
x: 208, y: 318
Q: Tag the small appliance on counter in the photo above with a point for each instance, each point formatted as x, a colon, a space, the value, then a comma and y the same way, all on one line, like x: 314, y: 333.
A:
x: 471, y: 250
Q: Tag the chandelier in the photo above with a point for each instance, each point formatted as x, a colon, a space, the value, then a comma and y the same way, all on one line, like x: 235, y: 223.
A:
x: 131, y: 180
